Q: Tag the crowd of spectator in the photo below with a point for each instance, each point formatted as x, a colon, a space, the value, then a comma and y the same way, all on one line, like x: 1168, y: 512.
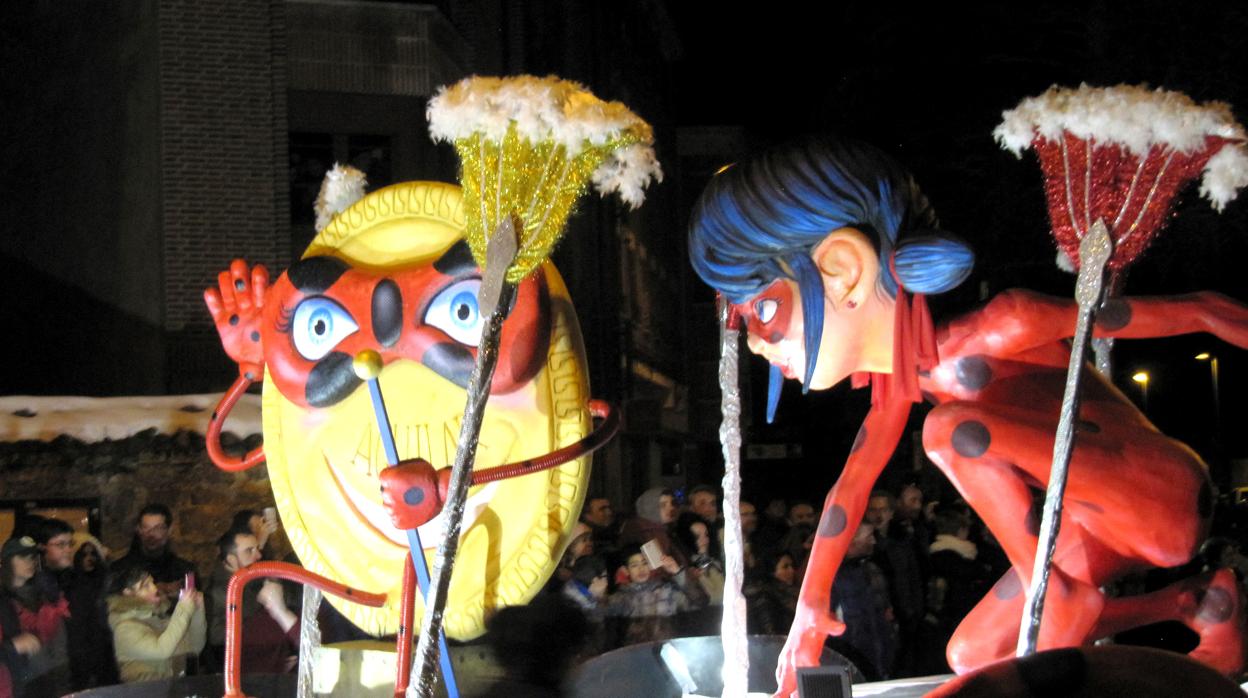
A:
x: 70, y: 620
x: 912, y: 572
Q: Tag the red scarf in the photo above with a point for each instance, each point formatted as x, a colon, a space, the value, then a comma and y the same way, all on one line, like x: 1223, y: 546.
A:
x: 914, y: 350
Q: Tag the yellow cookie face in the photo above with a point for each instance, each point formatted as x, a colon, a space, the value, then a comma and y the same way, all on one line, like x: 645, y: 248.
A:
x: 324, y: 453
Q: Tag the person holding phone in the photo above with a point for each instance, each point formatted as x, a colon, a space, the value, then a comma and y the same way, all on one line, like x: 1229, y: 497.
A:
x: 649, y: 602
x: 148, y: 644
x: 270, y: 641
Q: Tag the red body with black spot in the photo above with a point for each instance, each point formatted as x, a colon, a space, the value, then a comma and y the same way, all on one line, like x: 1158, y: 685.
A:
x: 1135, y: 498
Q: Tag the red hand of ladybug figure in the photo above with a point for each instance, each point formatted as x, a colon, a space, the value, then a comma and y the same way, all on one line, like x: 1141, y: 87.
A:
x: 413, y: 492
x: 812, y: 625
x: 236, y: 306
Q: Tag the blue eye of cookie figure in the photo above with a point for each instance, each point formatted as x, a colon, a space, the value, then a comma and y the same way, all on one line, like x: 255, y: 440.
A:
x: 455, y: 311
x: 319, y: 324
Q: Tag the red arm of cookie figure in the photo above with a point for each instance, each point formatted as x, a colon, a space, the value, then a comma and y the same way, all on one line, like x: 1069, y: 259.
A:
x: 236, y: 306
x: 1018, y: 320
x: 842, y: 512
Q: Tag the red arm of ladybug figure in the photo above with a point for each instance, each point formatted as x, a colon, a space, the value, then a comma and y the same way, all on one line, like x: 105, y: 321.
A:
x: 236, y: 306
x: 814, y: 620
x: 1018, y: 320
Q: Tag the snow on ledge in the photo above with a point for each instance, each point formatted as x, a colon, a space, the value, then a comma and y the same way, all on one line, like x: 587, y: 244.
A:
x: 91, y: 419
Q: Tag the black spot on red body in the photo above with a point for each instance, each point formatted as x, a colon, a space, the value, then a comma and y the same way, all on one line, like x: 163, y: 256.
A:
x: 859, y: 439
x: 413, y: 496
x: 457, y: 261
x: 255, y: 336
x: 971, y: 439
x: 1008, y: 586
x: 451, y: 361
x: 834, y: 522
x: 974, y: 372
x: 233, y: 319
x: 387, y: 308
x: 239, y: 284
x: 1114, y: 314
x: 1217, y: 606
x: 775, y: 337
x: 330, y: 380
x: 315, y: 274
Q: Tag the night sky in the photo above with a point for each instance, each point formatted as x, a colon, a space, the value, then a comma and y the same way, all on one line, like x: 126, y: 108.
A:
x: 928, y: 84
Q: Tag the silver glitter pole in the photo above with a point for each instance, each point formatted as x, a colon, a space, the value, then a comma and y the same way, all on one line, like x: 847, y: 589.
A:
x: 495, y: 299
x: 732, y: 631
x: 1094, y: 251
x: 309, y: 639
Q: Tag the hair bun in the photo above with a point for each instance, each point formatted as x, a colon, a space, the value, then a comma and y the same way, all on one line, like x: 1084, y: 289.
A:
x: 932, y: 262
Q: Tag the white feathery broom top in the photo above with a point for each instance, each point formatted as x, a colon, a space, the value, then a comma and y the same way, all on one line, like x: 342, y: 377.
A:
x: 1136, y: 119
x: 343, y: 185
x: 550, y: 109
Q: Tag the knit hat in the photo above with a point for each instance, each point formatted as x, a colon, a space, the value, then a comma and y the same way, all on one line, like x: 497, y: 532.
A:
x: 24, y: 545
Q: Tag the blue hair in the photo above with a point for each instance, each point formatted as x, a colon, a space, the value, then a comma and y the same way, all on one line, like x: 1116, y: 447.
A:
x: 759, y: 221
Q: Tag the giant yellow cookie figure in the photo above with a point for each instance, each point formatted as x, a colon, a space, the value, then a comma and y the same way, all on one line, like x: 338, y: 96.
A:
x: 392, y: 274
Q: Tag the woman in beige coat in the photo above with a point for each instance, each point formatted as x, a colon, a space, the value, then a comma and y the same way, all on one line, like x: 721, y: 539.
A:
x: 149, y: 645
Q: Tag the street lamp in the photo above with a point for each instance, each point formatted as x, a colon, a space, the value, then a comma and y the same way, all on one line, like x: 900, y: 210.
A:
x: 1213, y: 375
x: 1141, y: 377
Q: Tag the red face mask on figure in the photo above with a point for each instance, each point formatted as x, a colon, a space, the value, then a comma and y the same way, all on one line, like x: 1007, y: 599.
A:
x: 324, y: 312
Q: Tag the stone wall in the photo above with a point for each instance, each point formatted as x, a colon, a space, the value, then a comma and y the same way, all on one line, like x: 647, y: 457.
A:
x: 127, y: 474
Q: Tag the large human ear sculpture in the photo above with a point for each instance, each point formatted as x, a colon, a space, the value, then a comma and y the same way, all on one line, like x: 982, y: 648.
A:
x: 843, y: 259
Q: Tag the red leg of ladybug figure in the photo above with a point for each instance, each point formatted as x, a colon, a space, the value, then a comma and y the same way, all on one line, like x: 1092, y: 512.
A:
x: 1135, y: 498
x: 822, y: 276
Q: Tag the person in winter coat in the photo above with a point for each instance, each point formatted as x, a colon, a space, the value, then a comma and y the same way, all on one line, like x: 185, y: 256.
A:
x: 771, y: 594
x: 148, y: 645
x: 31, y: 617
x: 90, y: 643
x: 656, y: 511
x: 648, y: 604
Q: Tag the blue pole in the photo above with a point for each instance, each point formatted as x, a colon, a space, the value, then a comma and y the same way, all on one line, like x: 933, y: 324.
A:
x: 413, y: 536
